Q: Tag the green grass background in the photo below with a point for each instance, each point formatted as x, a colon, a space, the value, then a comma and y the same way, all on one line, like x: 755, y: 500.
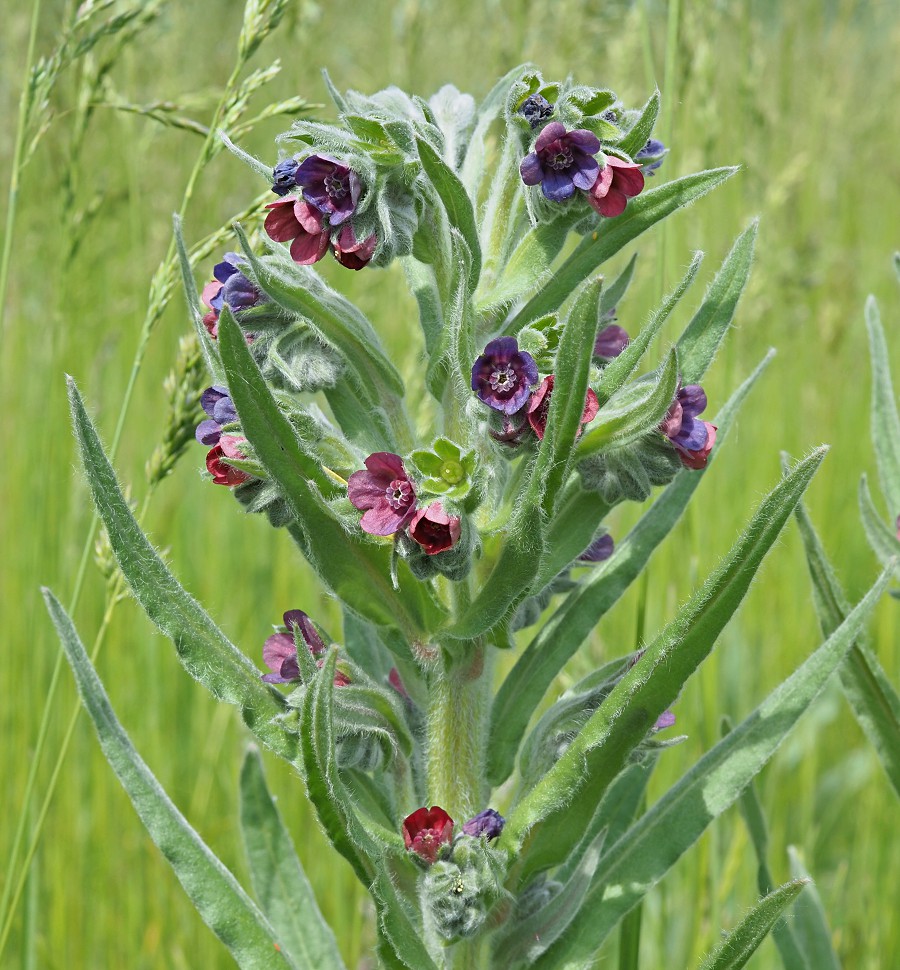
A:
x: 803, y: 95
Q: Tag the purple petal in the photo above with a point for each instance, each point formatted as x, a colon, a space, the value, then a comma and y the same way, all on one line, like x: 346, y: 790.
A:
x: 692, y: 398
x: 611, y: 341
x: 315, y: 169
x: 693, y: 434
x: 386, y: 465
x: 382, y: 520
x: 501, y: 350
x: 208, y: 433
x: 557, y: 185
x: 586, y: 170
x: 554, y: 130
x: 224, y: 411
x: 309, y: 633
x: 584, y: 140
x: 278, y: 648
x: 211, y: 397
x: 222, y: 271
x: 531, y: 170
x: 665, y: 720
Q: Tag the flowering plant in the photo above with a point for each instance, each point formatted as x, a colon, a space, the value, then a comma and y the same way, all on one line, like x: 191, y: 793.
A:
x: 490, y: 828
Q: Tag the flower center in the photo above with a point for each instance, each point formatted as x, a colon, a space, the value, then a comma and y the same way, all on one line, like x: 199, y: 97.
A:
x: 398, y: 494
x: 503, y: 378
x: 336, y: 187
x: 452, y: 472
x: 561, y: 159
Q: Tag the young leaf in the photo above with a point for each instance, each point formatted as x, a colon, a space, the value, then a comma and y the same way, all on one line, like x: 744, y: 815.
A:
x: 657, y: 840
x: 612, y: 235
x: 743, y: 941
x: 600, y: 750
x: 885, y: 420
x: 280, y: 884
x: 224, y: 906
x: 698, y: 344
x: 810, y: 923
x: 578, y: 614
x: 636, y: 137
x: 205, y: 652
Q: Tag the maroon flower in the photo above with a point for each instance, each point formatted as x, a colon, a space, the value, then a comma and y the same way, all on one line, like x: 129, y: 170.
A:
x: 539, y: 406
x: 385, y: 492
x: 426, y: 830
x: 562, y: 161
x: 221, y: 471
x: 434, y: 529
x: 503, y: 375
x: 610, y: 342
x: 331, y: 186
x: 291, y: 218
x: 349, y: 252
x: 617, y: 182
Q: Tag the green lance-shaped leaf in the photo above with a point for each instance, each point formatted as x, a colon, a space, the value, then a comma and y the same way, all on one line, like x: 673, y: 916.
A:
x: 422, y: 282
x: 636, y: 137
x: 618, y: 370
x: 698, y: 344
x: 810, y: 922
x: 630, y: 414
x: 579, y: 612
x: 210, y: 357
x: 868, y: 690
x: 567, y: 402
x: 224, y: 906
x: 882, y: 538
x: 744, y: 940
x: 885, y: 420
x: 613, y: 294
x: 279, y: 882
x: 601, y: 749
x: 658, y: 839
x: 456, y: 201
x: 357, y: 571
x: 204, y: 651
x: 612, y: 235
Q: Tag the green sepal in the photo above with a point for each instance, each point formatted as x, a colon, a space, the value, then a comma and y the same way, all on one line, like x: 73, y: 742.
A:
x: 744, y: 940
x: 204, y: 651
x: 278, y: 879
x: 657, y: 840
x: 638, y: 134
x: 599, y: 752
x: 698, y: 344
x: 643, y: 212
x: 885, y: 420
x: 578, y: 614
x: 353, y: 567
x: 221, y: 902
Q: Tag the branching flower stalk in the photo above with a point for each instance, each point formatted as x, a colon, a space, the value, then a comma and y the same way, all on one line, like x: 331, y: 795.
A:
x: 486, y: 833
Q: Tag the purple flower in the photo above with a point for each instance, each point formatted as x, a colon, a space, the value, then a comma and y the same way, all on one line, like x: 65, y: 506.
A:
x: 616, y: 183
x: 503, y: 375
x: 487, y: 824
x: 280, y: 650
x: 385, y: 492
x: 291, y: 218
x: 562, y: 161
x: 665, y: 720
x: 693, y: 438
x: 536, y: 109
x: 230, y: 287
x: 600, y: 549
x: 610, y: 342
x: 218, y: 405
x: 331, y: 186
x: 283, y: 176
x: 434, y: 529
x: 651, y: 156
x: 351, y: 253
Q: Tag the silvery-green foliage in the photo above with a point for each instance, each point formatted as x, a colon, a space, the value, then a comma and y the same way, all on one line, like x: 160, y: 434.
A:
x: 404, y: 749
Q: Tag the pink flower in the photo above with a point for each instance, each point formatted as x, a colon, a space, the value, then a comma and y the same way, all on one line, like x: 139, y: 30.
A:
x: 434, y: 529
x: 426, y: 830
x: 539, y: 406
x: 351, y: 253
x: 291, y: 218
x: 617, y: 182
x: 385, y: 492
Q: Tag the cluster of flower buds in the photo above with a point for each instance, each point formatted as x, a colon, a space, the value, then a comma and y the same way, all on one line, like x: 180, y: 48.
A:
x: 217, y: 403
x: 317, y: 218
x: 692, y: 438
x: 231, y: 288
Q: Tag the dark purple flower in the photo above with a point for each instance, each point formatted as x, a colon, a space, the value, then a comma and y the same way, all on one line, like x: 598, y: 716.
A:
x: 693, y: 438
x: 230, y: 287
x: 487, y: 824
x: 610, y: 342
x: 385, y: 491
x: 434, y: 529
x: 426, y: 830
x: 280, y: 650
x: 651, y: 156
x: 351, y: 253
x: 536, y: 109
x: 331, y: 186
x: 217, y: 403
x: 503, y: 375
x: 283, y: 176
x: 599, y: 550
x: 291, y: 218
x: 539, y: 406
x: 617, y: 182
x: 562, y: 161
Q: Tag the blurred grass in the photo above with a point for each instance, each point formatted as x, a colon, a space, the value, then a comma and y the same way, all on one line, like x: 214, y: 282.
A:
x: 800, y: 94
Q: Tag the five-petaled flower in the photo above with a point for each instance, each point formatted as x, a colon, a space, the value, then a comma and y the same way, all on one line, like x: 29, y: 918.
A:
x: 487, y: 824
x: 217, y: 403
x: 617, y: 182
x: 562, y: 161
x: 350, y: 252
x: 292, y: 220
x: 434, y: 529
x: 426, y: 830
x: 539, y: 406
x: 329, y: 185
x: 503, y: 375
x: 693, y: 438
x: 385, y: 492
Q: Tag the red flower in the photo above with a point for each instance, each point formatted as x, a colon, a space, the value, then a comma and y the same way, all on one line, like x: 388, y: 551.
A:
x: 351, y: 253
x: 539, y: 406
x: 434, y: 529
x: 426, y: 830
x: 221, y: 471
x: 293, y: 219
x: 617, y: 182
